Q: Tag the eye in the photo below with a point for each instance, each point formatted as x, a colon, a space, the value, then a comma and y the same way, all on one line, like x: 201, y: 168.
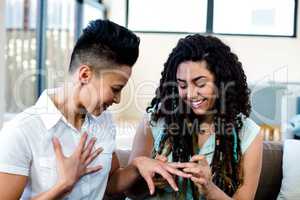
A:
x: 116, y: 90
x: 182, y: 85
x: 200, y: 84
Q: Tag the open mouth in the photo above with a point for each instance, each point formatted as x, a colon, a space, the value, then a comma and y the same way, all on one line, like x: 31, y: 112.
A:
x: 198, y: 104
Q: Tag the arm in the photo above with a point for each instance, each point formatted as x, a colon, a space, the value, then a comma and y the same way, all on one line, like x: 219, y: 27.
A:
x: 252, y: 168
x: 70, y: 170
x: 141, y: 165
x: 12, y: 186
x: 142, y: 146
x: 252, y: 161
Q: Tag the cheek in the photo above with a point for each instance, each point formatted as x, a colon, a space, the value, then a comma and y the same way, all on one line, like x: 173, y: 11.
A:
x: 211, y: 95
x: 182, y: 93
x: 88, y: 95
x: 105, y: 95
x: 208, y: 91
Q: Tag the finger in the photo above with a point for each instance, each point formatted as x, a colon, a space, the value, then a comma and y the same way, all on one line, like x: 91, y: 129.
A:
x: 93, y: 156
x: 92, y: 169
x: 180, y: 165
x: 161, y: 158
x: 57, y: 148
x: 168, y: 177
x: 196, y: 158
x: 177, y: 172
x: 200, y: 159
x: 200, y: 181
x: 88, y: 149
x: 195, y: 171
x: 82, y: 143
x: 150, y: 184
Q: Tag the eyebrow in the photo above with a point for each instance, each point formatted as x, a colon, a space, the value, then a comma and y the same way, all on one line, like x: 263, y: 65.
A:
x: 194, y: 79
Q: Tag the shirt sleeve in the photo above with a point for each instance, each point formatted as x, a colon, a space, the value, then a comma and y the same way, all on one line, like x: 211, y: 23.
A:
x: 249, y: 132
x: 15, y: 154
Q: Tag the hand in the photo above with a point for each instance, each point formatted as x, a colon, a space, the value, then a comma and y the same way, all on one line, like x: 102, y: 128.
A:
x: 148, y: 167
x: 200, y: 171
x: 159, y: 181
x: 70, y: 169
x: 161, y: 158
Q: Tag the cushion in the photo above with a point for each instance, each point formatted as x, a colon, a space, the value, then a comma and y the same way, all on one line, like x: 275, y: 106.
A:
x: 290, y: 187
x: 271, y: 172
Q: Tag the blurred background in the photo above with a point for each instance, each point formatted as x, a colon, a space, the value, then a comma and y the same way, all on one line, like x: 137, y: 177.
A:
x: 37, y: 37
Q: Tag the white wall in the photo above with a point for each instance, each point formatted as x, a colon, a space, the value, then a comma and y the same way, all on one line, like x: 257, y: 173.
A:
x: 2, y: 62
x: 263, y: 58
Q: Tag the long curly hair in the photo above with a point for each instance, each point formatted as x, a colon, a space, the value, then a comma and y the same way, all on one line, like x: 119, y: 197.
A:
x: 231, y: 106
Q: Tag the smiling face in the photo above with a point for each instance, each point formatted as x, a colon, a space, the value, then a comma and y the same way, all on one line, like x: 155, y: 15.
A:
x: 99, y: 91
x: 196, y: 86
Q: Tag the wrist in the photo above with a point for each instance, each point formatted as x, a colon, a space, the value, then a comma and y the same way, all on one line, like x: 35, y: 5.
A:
x: 64, y: 187
x: 137, y: 161
x: 210, y: 189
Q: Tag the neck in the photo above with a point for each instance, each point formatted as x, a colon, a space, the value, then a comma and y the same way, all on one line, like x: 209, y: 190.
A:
x: 207, y: 125
x: 66, y: 101
x: 208, y: 119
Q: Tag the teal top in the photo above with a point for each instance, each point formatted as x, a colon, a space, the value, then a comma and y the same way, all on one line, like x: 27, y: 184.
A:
x: 247, y: 134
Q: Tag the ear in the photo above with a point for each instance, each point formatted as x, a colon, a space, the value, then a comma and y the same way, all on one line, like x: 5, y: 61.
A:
x: 85, y: 74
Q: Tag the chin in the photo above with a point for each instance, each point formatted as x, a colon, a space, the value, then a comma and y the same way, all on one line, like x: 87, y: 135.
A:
x: 200, y: 111
x: 97, y: 112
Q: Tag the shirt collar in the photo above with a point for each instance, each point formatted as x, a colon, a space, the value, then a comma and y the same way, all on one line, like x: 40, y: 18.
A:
x: 47, y: 110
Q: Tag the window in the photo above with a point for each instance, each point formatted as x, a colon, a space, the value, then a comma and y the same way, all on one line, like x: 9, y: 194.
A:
x: 255, y: 17
x: 37, y: 51
x: 234, y: 17
x: 20, y: 86
x: 91, y: 11
x: 167, y: 15
x: 60, y: 40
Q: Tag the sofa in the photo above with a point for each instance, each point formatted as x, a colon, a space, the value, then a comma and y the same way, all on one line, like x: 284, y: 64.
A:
x: 271, y: 174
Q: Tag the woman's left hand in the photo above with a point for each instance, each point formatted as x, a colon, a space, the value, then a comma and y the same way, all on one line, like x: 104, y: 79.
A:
x: 200, y: 170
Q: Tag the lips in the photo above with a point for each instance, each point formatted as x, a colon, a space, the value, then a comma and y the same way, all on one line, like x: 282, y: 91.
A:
x: 197, y: 104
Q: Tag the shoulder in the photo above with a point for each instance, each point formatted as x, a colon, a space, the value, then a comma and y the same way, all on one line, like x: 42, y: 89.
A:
x: 248, y: 133
x: 22, y: 123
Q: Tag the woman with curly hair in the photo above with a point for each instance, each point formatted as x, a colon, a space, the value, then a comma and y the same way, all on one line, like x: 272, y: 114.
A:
x: 199, y: 121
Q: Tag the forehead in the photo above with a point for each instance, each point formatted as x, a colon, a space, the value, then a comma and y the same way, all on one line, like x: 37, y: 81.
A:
x: 190, y: 70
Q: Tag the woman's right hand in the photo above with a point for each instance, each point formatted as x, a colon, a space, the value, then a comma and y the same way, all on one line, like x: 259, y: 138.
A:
x: 70, y: 169
x: 148, y: 167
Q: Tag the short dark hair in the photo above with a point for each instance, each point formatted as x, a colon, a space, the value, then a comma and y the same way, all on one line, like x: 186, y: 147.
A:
x: 103, y: 44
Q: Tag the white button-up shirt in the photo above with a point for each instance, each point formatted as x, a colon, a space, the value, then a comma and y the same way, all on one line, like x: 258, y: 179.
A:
x: 26, y: 148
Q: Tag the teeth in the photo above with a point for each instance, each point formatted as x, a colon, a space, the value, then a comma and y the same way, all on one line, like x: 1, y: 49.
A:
x: 197, y: 103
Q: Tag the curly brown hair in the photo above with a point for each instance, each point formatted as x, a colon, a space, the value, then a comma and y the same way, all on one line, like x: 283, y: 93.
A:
x: 231, y: 107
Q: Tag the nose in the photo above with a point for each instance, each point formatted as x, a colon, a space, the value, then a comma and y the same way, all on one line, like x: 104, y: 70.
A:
x: 117, y: 98
x: 192, y: 93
